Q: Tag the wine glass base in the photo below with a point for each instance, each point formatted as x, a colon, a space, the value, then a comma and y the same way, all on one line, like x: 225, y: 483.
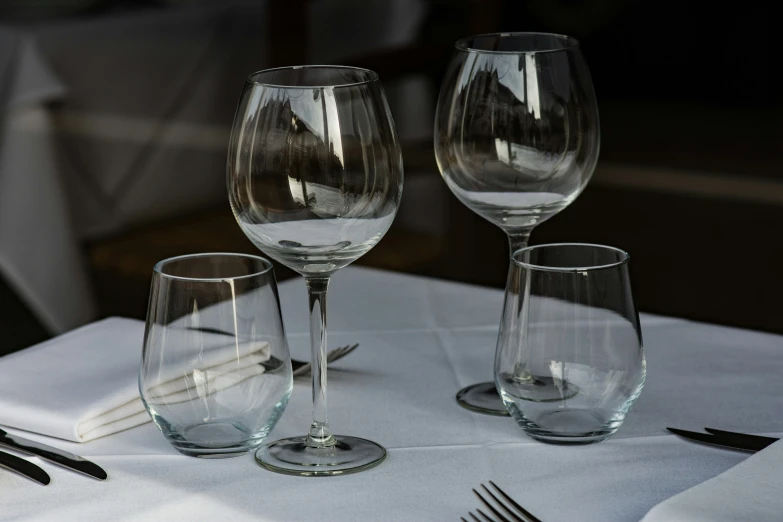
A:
x: 293, y: 456
x: 482, y: 398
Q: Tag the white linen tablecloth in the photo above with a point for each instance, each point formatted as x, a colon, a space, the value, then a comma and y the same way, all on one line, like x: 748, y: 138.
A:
x: 422, y: 340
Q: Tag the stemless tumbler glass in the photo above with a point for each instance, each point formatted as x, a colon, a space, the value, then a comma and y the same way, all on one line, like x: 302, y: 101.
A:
x: 516, y: 139
x: 569, y: 362
x: 215, y: 371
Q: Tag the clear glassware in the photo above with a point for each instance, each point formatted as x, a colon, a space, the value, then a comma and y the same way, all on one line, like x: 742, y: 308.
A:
x: 516, y: 138
x: 569, y: 362
x: 314, y: 180
x: 215, y: 372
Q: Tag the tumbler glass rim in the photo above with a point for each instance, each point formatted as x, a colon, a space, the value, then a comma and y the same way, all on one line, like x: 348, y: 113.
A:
x: 570, y: 43
x: 253, y: 78
x: 625, y: 257
x: 160, y: 271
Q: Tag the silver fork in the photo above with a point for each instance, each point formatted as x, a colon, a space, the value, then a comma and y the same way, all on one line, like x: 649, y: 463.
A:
x: 299, y: 367
x: 302, y: 368
x: 516, y: 512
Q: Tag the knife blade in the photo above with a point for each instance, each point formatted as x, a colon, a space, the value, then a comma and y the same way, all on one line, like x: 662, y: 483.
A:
x: 736, y: 441
x: 24, y: 468
x: 53, y: 455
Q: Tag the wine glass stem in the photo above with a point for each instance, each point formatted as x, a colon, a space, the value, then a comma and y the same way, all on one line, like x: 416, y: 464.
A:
x: 517, y: 240
x: 320, y: 436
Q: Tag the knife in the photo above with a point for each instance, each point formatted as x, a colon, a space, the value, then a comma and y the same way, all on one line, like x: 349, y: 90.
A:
x: 727, y: 439
x: 53, y: 455
x: 24, y: 468
x: 206, y: 329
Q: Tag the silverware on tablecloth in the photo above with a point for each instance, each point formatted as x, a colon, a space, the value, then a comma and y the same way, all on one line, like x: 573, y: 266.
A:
x: 511, y: 508
x: 299, y: 367
x: 53, y: 455
x: 727, y: 439
x: 24, y: 468
x: 302, y: 368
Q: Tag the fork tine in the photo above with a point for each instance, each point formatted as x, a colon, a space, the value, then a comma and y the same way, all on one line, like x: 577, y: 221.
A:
x: 463, y: 519
x: 486, y: 517
x: 503, y: 506
x: 522, y: 510
x: 491, y: 508
x: 474, y: 517
x: 351, y: 348
x: 336, y: 353
x: 331, y: 354
x: 341, y: 352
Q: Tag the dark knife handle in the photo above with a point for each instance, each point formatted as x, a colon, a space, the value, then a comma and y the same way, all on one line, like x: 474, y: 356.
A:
x: 754, y: 442
x: 53, y: 455
x: 206, y: 329
x: 738, y: 441
x: 24, y: 468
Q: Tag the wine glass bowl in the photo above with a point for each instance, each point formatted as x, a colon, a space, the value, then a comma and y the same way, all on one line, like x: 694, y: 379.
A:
x: 314, y: 180
x: 516, y: 132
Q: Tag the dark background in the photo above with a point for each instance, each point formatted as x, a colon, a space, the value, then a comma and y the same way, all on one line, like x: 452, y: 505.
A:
x: 689, y: 180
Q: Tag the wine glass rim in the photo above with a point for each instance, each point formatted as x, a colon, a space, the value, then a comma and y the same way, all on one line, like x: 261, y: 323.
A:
x: 625, y: 257
x: 373, y: 77
x: 571, y: 43
x: 159, y: 267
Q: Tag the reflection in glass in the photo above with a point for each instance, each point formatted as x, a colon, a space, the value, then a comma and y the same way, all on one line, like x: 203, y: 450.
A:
x: 313, y: 181
x: 569, y: 362
x: 516, y: 138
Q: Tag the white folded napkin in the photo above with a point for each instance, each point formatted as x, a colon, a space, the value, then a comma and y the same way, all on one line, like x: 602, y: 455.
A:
x: 84, y: 385
x: 750, y: 491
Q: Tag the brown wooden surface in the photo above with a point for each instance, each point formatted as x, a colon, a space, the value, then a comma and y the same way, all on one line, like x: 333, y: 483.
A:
x: 122, y: 265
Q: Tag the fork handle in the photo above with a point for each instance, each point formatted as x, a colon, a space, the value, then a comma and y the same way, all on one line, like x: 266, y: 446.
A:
x: 302, y: 369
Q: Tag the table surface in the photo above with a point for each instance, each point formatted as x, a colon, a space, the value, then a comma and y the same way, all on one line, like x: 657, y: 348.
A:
x: 422, y: 340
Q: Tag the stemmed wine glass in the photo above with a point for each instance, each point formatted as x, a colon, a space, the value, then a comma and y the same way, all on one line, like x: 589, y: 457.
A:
x: 314, y: 180
x: 516, y: 139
